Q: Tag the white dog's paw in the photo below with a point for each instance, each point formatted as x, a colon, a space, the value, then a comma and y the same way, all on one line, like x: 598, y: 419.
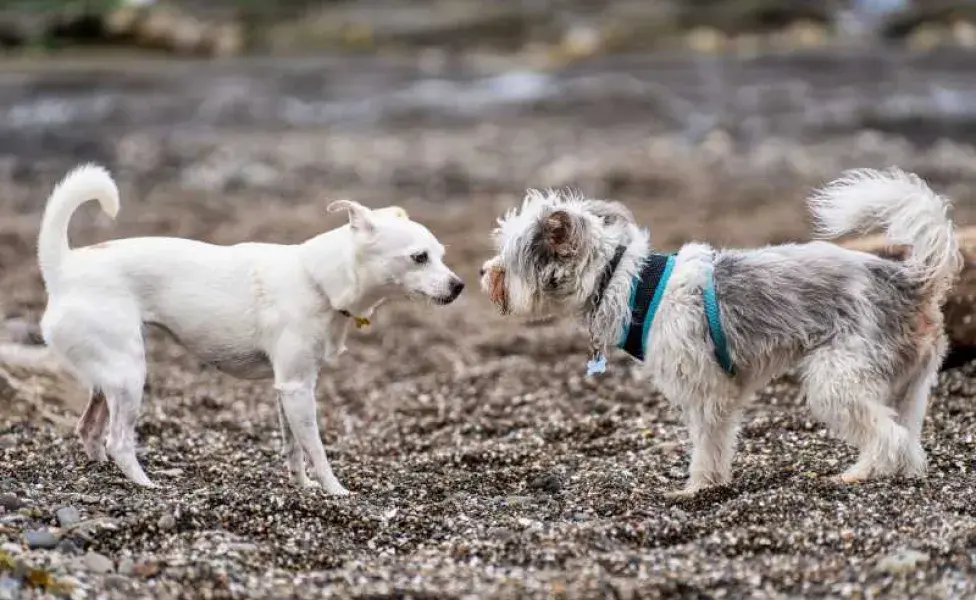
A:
x: 336, y: 489
x: 95, y: 452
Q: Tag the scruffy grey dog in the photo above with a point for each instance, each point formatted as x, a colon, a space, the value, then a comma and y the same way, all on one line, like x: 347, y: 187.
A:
x: 865, y: 334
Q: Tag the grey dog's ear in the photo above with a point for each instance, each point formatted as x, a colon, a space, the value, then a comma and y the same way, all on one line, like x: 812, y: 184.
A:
x: 562, y: 233
x: 360, y: 217
x: 611, y: 213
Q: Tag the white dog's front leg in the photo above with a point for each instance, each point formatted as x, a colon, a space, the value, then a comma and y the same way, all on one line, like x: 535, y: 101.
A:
x: 298, y: 403
x: 292, y: 450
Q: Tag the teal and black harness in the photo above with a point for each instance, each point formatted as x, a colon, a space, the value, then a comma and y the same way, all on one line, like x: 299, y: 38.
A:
x: 645, y: 298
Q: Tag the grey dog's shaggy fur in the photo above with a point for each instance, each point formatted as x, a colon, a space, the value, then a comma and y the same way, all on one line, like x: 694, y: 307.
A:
x: 864, y: 333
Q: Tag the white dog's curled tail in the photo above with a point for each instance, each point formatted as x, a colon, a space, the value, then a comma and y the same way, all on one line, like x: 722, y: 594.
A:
x: 84, y: 183
x: 908, y: 210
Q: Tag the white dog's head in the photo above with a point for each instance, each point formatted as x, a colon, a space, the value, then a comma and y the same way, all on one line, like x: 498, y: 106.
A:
x: 394, y: 252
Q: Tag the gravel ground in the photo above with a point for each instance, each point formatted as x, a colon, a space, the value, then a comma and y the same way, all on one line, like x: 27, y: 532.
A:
x: 482, y: 465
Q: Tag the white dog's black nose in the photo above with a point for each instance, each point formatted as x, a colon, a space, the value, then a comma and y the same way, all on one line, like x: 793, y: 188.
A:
x: 481, y: 271
x: 456, y: 287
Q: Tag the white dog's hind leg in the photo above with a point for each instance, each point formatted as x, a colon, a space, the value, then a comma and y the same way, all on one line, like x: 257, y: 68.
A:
x: 292, y: 450
x: 91, y: 426
x: 124, y: 403
x: 298, y: 402
x: 103, y: 342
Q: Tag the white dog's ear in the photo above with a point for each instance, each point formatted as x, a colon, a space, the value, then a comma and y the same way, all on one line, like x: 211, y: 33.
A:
x: 360, y: 217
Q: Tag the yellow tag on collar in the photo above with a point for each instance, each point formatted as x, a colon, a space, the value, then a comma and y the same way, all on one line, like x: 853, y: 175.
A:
x: 361, y: 322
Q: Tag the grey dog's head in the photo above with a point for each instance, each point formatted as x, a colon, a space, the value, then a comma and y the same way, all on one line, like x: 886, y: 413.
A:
x: 552, y: 251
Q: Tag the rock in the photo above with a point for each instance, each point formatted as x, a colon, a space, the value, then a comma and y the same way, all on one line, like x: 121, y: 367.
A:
x: 22, y: 27
x: 34, y: 383
x: 98, y: 563
x: 11, y: 502
x: 69, y: 548
x: 123, y: 21
x: 902, y: 561
x: 706, y: 40
x: 117, y: 583
x: 226, y: 39
x: 166, y: 522
x: 9, y: 588
x: 41, y: 539
x: 68, y: 516
x: 125, y: 566
x: 145, y: 569
x: 22, y: 331
x: 550, y: 483
x: 927, y: 37
x: 11, y: 548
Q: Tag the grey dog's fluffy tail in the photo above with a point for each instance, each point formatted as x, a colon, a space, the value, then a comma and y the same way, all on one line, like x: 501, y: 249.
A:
x: 910, y: 213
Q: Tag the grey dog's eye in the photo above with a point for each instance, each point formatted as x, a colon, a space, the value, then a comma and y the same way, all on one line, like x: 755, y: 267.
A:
x: 420, y: 258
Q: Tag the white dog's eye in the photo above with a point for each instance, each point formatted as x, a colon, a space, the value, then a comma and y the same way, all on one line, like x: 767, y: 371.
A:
x: 420, y: 258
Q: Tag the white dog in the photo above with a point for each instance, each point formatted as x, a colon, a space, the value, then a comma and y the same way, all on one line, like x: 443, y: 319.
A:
x: 864, y: 333
x: 252, y: 310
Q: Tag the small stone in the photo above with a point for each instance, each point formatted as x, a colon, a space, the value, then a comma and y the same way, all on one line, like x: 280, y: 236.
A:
x: 901, y: 561
x: 98, y: 563
x: 41, y: 538
x: 9, y: 588
x: 11, y: 548
x: 21, y: 331
x: 10, y: 502
x: 69, y: 547
x: 125, y: 566
x: 547, y: 482
x: 117, y: 583
x: 166, y: 522
x: 519, y: 501
x: 68, y: 516
x: 145, y: 569
x: 668, y: 447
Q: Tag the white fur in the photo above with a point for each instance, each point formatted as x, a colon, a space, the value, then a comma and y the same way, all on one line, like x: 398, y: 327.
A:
x: 252, y: 310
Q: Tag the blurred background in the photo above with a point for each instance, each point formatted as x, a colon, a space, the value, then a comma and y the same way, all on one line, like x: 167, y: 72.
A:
x: 464, y: 100
x: 240, y: 120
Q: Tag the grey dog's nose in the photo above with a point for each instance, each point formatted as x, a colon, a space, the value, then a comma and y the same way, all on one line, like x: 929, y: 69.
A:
x: 456, y: 286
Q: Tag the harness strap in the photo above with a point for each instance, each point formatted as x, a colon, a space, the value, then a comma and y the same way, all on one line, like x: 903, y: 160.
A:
x: 645, y: 298
x: 646, y: 294
x: 715, y: 331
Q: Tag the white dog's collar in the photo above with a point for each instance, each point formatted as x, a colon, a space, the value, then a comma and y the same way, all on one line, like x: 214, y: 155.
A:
x: 360, y: 321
